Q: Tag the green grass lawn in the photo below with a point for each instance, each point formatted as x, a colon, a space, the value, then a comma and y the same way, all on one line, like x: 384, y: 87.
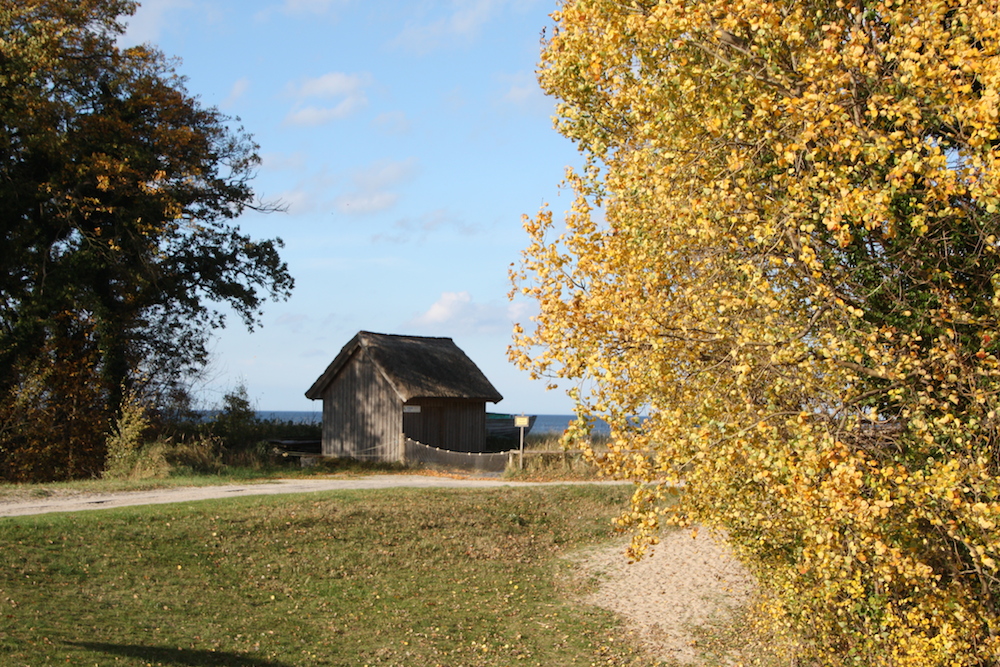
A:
x: 387, y: 577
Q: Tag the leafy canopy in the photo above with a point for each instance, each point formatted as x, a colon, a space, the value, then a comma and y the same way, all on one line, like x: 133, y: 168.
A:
x: 783, y: 249
x: 120, y: 192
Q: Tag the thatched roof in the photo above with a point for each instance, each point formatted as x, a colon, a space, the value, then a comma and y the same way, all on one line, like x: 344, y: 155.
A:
x: 415, y: 366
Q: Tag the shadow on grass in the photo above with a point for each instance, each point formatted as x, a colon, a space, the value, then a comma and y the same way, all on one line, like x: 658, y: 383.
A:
x: 179, y: 656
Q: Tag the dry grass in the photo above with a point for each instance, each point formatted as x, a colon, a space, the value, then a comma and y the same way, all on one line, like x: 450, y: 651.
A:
x: 545, y: 459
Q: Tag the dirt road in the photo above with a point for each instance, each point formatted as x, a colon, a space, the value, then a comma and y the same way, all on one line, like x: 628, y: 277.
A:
x: 78, y: 502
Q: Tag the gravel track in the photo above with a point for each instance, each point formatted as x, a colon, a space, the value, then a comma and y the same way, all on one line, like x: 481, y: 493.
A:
x: 79, y: 502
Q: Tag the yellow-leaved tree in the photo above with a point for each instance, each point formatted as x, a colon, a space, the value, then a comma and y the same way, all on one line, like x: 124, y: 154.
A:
x: 783, y: 250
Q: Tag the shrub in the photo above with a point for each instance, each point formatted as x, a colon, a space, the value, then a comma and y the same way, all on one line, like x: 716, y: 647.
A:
x: 784, y: 250
x: 53, y: 417
x: 202, y: 456
x: 236, y: 424
x: 125, y: 440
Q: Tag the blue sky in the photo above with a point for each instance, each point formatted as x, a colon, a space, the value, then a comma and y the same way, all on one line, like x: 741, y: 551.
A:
x: 407, y: 139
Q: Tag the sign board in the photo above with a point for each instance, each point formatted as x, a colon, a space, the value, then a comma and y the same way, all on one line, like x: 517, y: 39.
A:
x: 411, y: 409
x: 521, y: 422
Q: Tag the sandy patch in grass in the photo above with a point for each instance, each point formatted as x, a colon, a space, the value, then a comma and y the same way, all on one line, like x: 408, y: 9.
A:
x: 686, y: 584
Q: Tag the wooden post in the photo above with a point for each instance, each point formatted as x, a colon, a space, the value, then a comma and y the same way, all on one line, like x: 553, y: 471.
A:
x: 521, y: 422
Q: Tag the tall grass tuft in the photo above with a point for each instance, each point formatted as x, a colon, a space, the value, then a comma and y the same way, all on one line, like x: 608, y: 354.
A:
x: 126, y: 439
x: 548, y: 457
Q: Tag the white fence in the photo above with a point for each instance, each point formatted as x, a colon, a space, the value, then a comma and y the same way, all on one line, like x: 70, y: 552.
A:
x: 414, y: 452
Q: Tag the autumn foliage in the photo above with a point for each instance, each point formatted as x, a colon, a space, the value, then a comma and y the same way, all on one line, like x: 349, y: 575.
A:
x: 783, y: 250
x: 54, y: 418
x: 120, y: 193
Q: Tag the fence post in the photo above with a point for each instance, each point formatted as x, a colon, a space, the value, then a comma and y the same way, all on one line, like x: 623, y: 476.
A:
x: 522, y: 449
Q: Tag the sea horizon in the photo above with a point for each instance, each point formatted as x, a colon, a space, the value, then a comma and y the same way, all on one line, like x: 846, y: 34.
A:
x: 544, y: 423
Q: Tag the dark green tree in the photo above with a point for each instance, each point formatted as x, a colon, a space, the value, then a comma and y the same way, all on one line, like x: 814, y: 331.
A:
x: 120, y: 193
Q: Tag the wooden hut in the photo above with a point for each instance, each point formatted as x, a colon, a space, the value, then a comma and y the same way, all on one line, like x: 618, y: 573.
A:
x: 383, y: 387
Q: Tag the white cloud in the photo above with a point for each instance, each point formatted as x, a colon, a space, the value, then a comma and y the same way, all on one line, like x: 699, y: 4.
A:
x: 349, y: 88
x: 149, y: 19
x: 311, y: 116
x: 451, y: 306
x: 457, y: 312
x: 332, y: 84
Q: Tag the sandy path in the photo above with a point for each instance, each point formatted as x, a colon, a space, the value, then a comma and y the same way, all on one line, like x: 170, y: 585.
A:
x: 686, y: 583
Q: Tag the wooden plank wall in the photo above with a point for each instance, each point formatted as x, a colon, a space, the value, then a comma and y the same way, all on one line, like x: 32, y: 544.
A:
x: 362, y: 415
x: 458, y: 425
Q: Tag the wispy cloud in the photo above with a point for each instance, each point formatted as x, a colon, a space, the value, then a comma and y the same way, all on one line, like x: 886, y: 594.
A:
x: 299, y: 200
x: 373, y: 186
x: 149, y: 20
x: 410, y: 229
x: 294, y: 322
x: 358, y: 203
x: 331, y: 84
x: 462, y: 22
x: 281, y: 161
x: 392, y: 123
x: 346, y: 90
x: 310, y: 194
x: 310, y: 116
x: 522, y: 92
x: 301, y: 8
x: 239, y: 89
x: 352, y: 264
x: 457, y: 313
x: 385, y: 173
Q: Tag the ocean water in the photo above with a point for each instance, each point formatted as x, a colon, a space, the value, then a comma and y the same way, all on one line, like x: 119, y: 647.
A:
x: 304, y: 417
x: 556, y: 424
x: 543, y: 424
